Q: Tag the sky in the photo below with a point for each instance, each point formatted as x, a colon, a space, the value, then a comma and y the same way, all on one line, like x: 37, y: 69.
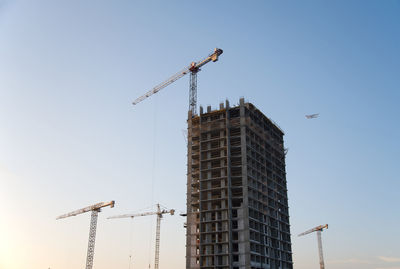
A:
x: 70, y: 137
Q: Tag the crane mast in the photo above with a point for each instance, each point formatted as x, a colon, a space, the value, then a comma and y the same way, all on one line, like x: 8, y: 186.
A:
x: 193, y: 69
x: 95, y: 209
x: 318, y: 229
x: 92, y: 239
x: 193, y: 92
x: 321, y: 256
x: 159, y: 214
x: 157, y: 247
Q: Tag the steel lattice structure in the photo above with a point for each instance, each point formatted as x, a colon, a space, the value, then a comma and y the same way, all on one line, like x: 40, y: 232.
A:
x: 92, y: 238
x: 193, y: 91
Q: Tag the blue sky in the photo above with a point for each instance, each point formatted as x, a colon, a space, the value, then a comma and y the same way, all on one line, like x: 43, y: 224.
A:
x: 70, y: 137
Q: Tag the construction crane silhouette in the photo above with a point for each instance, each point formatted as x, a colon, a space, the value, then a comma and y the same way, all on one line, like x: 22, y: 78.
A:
x: 193, y: 69
x: 96, y: 208
x: 318, y: 229
x: 159, y: 214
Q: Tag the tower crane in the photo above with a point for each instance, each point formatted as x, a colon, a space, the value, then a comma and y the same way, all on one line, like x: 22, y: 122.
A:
x: 159, y: 214
x: 318, y: 229
x: 96, y: 208
x: 193, y: 69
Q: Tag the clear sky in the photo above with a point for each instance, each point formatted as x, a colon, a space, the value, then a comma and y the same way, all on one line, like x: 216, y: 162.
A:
x: 69, y: 136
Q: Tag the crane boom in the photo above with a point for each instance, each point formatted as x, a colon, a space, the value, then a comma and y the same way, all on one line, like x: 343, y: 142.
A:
x: 87, y: 209
x: 172, y: 211
x: 318, y: 228
x: 193, y: 68
x: 162, y: 85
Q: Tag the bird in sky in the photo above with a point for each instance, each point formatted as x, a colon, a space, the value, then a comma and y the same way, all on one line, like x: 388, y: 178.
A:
x: 312, y: 116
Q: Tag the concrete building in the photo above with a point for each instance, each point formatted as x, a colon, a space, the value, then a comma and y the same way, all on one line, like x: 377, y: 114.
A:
x: 237, y: 205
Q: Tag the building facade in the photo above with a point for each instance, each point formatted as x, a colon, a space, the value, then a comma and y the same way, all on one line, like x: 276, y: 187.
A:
x: 237, y: 205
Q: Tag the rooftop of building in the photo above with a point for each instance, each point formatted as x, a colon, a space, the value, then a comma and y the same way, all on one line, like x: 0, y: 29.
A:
x: 250, y: 106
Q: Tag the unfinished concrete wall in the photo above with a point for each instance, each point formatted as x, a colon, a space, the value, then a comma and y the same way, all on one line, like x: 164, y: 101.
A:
x: 237, y: 198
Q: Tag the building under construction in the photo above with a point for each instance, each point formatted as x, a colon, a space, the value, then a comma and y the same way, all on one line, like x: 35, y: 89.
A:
x: 237, y: 205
